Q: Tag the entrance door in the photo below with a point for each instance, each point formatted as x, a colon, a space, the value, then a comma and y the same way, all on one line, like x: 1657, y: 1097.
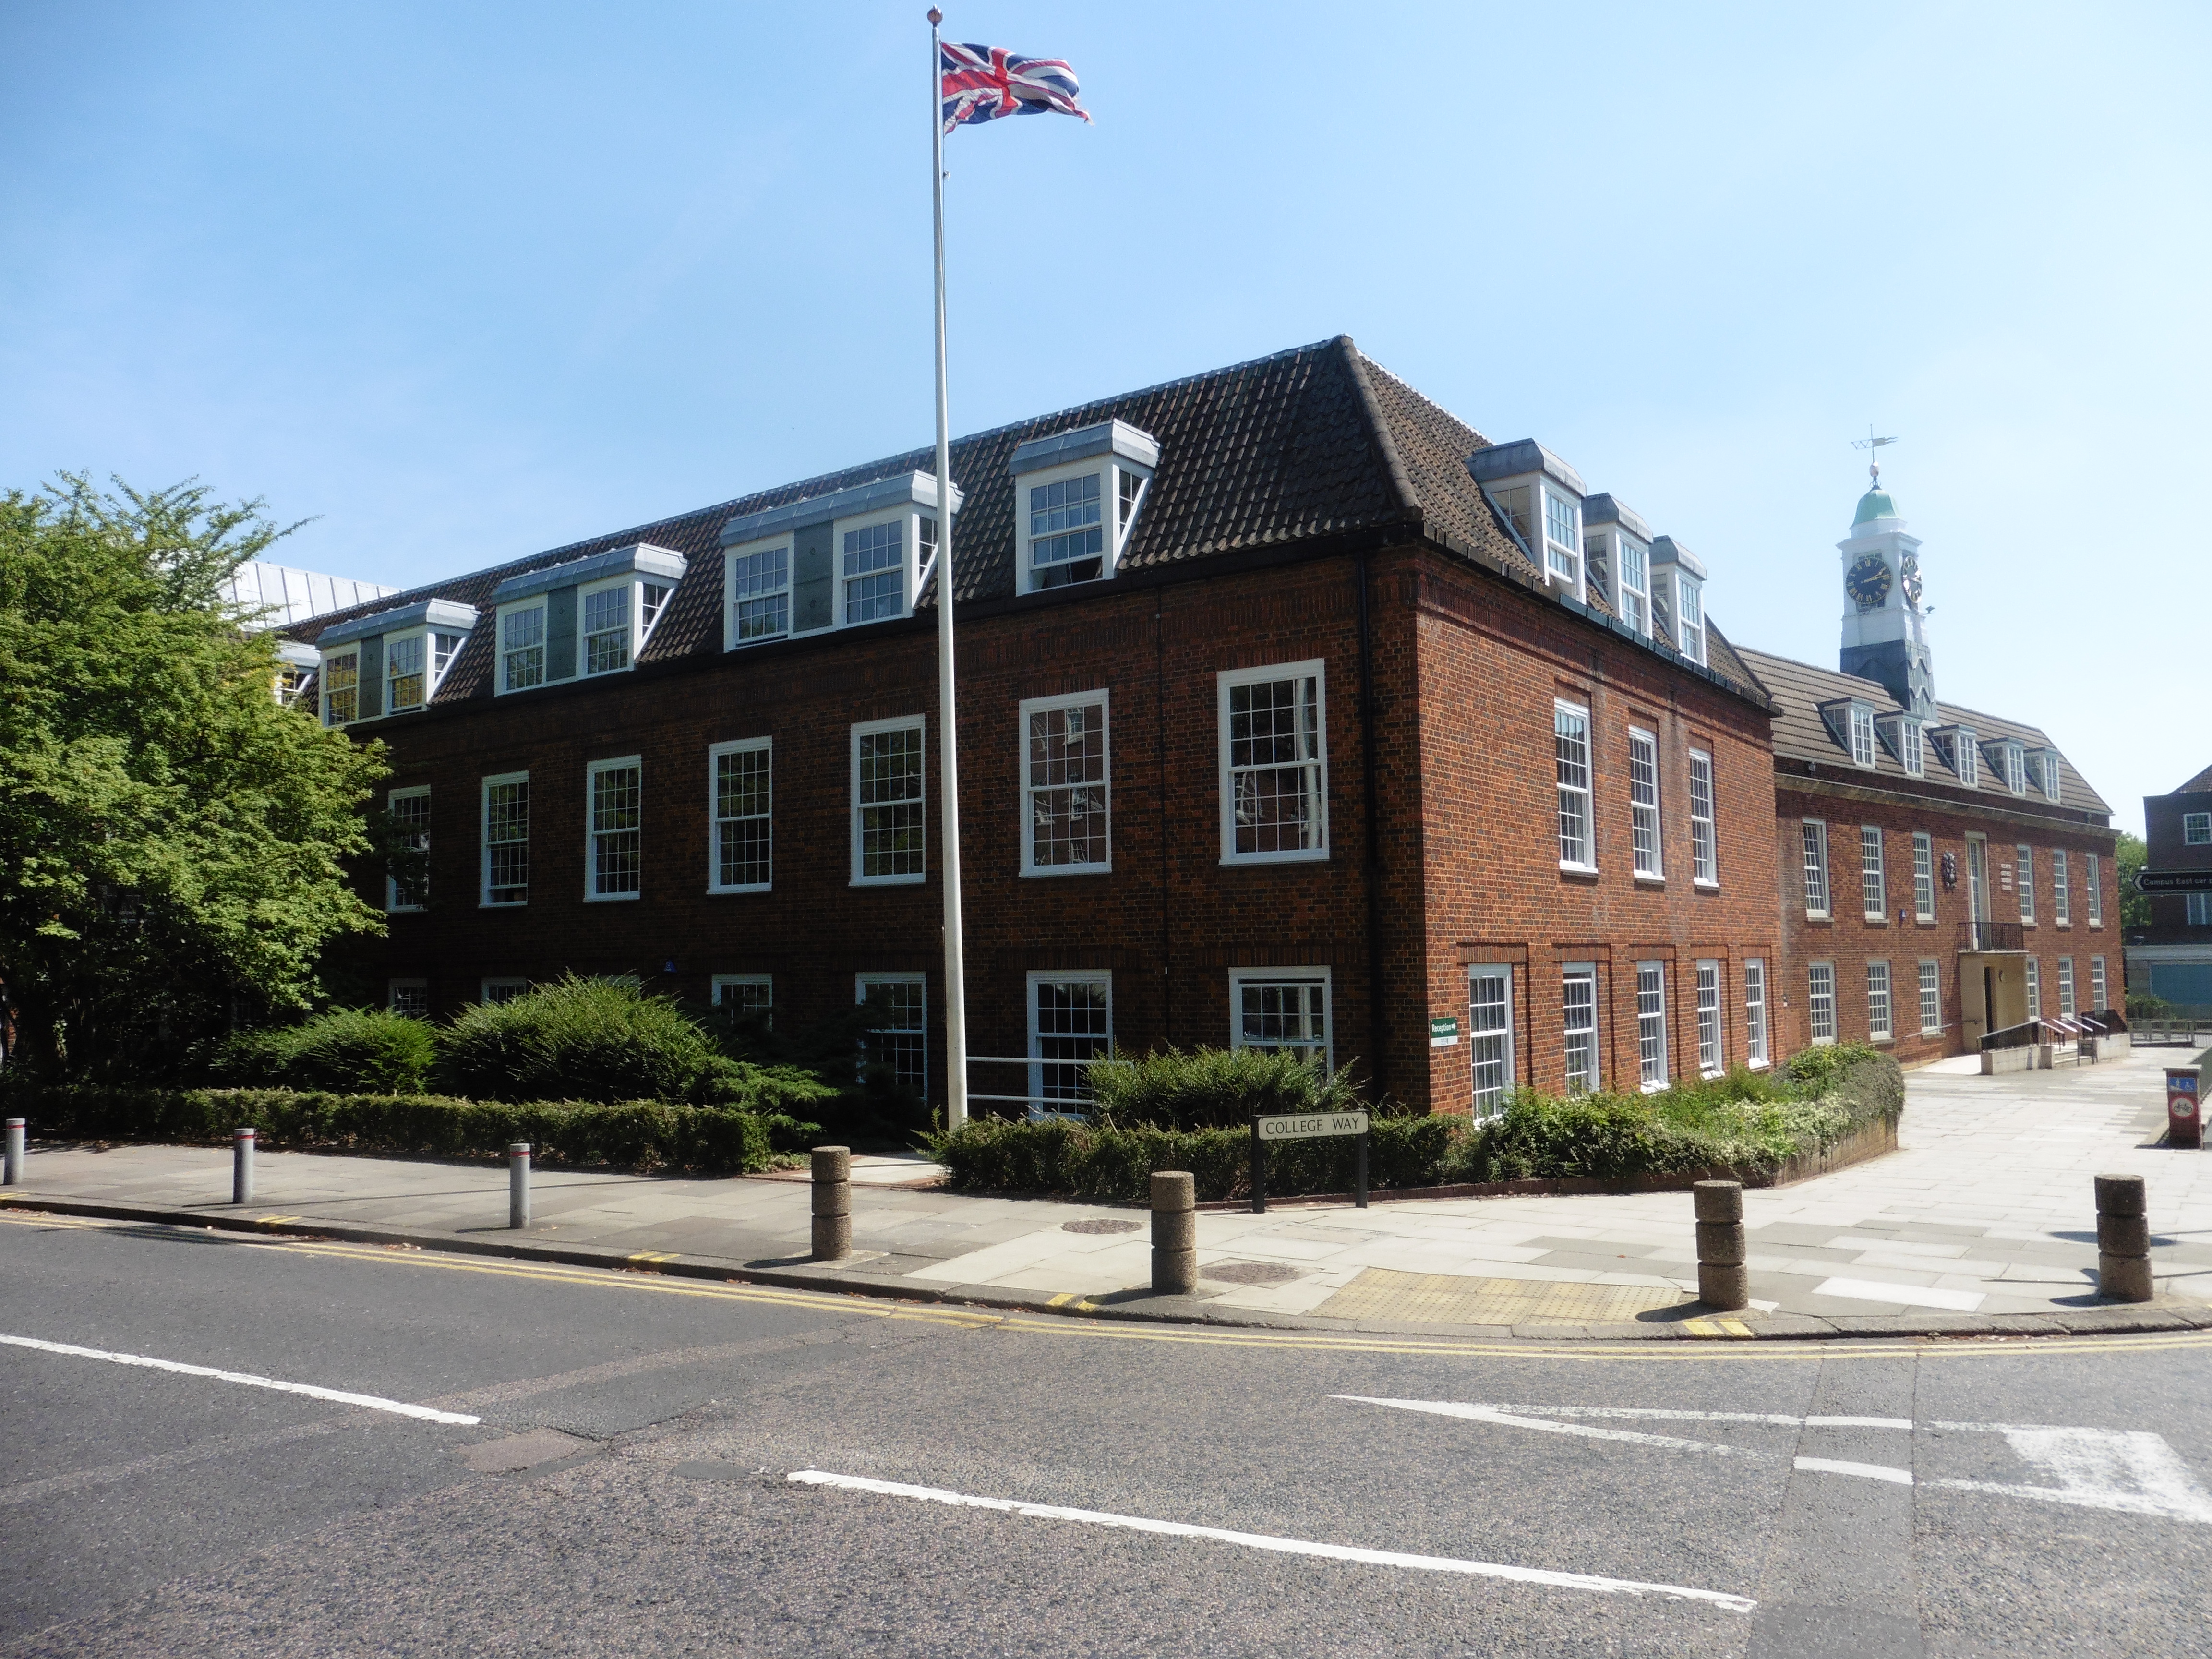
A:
x: 1490, y: 1036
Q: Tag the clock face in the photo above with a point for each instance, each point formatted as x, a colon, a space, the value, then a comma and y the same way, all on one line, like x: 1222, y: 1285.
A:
x: 1868, y: 581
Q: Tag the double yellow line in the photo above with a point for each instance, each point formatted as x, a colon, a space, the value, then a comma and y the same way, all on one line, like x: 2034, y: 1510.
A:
x: 642, y: 1277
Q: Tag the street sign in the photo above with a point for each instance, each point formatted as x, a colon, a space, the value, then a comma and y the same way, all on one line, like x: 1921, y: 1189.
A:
x: 2173, y: 881
x: 1443, y: 1031
x: 1313, y: 1127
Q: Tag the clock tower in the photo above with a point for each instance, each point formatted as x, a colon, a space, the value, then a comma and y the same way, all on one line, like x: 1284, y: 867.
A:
x: 1885, y: 631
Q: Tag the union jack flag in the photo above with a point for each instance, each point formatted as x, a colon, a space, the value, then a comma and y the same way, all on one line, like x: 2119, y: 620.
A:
x: 982, y: 83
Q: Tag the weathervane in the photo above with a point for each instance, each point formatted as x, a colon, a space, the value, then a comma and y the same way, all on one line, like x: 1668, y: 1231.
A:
x: 1874, y: 461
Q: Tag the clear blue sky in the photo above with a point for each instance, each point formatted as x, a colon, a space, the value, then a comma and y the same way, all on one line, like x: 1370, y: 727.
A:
x: 465, y: 282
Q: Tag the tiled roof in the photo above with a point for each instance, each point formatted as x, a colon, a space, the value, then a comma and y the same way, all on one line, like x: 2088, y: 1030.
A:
x: 1801, y: 734
x: 1315, y: 441
x: 2199, y: 785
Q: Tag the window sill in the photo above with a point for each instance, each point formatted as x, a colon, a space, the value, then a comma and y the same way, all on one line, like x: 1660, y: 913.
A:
x: 1925, y: 922
x: 1821, y: 916
x: 502, y: 904
x: 1235, y: 860
x: 406, y: 909
x: 887, y: 881
x: 1658, y: 1087
x: 1587, y: 871
x: 1755, y: 1065
x: 761, y: 887
x: 1642, y: 880
x: 1881, y: 1042
x: 1049, y: 872
x: 1705, y: 886
x: 1881, y: 920
x: 612, y: 898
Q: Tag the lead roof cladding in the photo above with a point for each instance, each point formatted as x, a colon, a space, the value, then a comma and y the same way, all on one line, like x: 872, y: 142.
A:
x: 1310, y: 442
x: 1799, y: 733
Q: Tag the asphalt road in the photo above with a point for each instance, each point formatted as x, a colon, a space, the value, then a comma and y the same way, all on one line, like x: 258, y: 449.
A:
x: 627, y: 1487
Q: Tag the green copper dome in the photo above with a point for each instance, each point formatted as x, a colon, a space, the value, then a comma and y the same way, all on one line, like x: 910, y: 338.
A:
x: 1875, y: 504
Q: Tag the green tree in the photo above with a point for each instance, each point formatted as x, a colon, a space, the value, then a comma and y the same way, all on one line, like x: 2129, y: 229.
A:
x: 170, y: 836
x: 2130, y: 856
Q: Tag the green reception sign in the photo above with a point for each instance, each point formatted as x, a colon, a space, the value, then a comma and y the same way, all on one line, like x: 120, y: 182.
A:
x: 1443, y: 1031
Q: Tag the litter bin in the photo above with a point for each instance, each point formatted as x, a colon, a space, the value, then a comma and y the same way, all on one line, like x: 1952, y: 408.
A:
x: 2185, y: 1116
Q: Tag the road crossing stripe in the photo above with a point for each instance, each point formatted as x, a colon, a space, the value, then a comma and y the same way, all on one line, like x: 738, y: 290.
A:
x: 341, y: 1396
x: 1258, y: 1541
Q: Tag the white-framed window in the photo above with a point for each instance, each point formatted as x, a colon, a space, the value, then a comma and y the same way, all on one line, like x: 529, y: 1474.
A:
x: 522, y: 645
x: 2097, y: 1002
x: 1931, y: 994
x: 603, y: 620
x: 1635, y: 587
x: 408, y: 998
x: 1690, y: 607
x: 1816, y: 836
x: 1066, y: 785
x: 1282, y: 1009
x: 507, y: 839
x: 1578, y: 1026
x: 2034, y: 987
x: 746, y: 993
x: 758, y: 580
x: 1709, y: 1020
x: 409, y: 811
x: 890, y: 832
x: 1911, y: 749
x: 2023, y: 870
x: 2016, y: 768
x: 1274, y: 764
x: 2197, y: 829
x: 2066, y: 987
x: 1570, y: 741
x: 613, y: 816
x: 1074, y: 517
x: 503, y: 989
x: 1820, y: 1001
x: 2092, y: 889
x: 1924, y: 876
x: 406, y: 673
x: 898, y: 1030
x: 1067, y: 532
x: 1644, y: 802
x: 1969, y: 751
x: 2062, y: 893
x: 741, y: 806
x: 1490, y: 1036
x: 1563, y: 536
x: 1754, y: 1010
x: 1874, y: 894
x: 2197, y: 912
x: 1862, y: 736
x: 2050, y: 783
x: 1651, y: 1025
x: 1071, y: 1023
x: 341, y: 685
x: 1704, y: 843
x: 1878, y: 1017
x: 873, y: 571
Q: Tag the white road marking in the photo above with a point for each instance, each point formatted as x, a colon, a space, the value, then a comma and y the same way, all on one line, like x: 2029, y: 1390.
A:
x: 1259, y: 1540
x: 1907, y: 1296
x: 1864, y: 1471
x: 341, y: 1396
x: 2128, y: 1470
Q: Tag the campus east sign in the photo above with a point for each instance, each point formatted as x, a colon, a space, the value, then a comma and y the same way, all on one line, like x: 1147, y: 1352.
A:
x: 2173, y: 881
x: 1313, y: 1127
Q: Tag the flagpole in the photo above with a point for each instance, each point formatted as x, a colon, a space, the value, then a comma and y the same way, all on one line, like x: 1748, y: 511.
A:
x: 948, y: 748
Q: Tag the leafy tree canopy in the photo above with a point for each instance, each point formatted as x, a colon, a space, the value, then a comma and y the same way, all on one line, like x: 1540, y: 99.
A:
x: 171, y: 835
x: 2130, y: 855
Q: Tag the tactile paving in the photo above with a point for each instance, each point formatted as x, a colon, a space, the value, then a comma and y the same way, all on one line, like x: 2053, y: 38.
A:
x: 1392, y: 1298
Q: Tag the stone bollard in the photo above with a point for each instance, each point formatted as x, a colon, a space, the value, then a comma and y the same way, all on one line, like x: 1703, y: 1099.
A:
x: 1174, y: 1233
x: 242, y: 1165
x: 518, y: 1183
x: 13, y: 1172
x: 833, y: 1203
x: 1722, y: 1280
x: 2122, y: 1238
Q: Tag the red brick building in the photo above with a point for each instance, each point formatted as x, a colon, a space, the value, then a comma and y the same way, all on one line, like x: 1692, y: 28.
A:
x: 1293, y: 711
x: 2171, y: 958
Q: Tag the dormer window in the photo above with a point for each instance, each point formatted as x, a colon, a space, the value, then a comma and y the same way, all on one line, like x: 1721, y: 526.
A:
x: 859, y: 556
x: 1540, y: 497
x: 1636, y: 587
x: 298, y: 665
x: 391, y: 662
x: 1691, y: 609
x: 1616, y: 540
x: 2016, y: 768
x: 1861, y: 735
x: 1903, y: 736
x: 2049, y: 769
x: 584, y: 617
x: 1066, y: 486
x: 1678, y: 597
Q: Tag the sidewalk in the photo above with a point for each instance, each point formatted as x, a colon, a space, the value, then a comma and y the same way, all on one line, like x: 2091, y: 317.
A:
x: 1984, y: 1220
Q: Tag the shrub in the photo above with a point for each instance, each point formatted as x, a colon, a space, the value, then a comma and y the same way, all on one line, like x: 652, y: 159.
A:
x: 579, y: 1039
x: 347, y: 1048
x: 1215, y: 1088
x: 640, y: 1133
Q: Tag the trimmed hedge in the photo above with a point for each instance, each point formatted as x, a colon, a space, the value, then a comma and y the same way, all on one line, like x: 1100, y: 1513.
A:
x: 1175, y: 1088
x: 345, y: 1049
x: 642, y: 1135
x: 1745, y: 1123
